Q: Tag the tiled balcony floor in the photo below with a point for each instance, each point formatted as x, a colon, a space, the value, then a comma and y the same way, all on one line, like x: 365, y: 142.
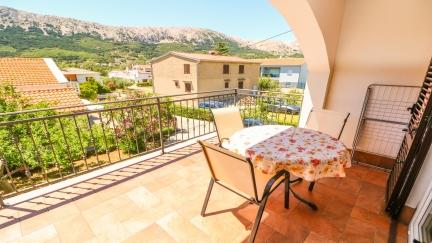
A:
x: 163, y: 205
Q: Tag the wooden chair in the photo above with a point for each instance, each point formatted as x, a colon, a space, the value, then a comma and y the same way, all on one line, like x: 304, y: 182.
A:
x: 227, y: 121
x: 237, y: 174
x: 326, y: 121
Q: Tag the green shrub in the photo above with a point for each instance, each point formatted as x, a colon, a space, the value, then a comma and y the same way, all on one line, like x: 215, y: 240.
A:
x: 50, y: 144
x: 91, y: 88
x: 268, y: 84
x: 193, y: 113
x: 88, y: 91
x: 117, y: 83
x: 147, y: 83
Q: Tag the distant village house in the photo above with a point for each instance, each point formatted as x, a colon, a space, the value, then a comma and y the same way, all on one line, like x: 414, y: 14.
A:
x: 80, y: 75
x: 289, y: 72
x: 184, y: 73
x: 137, y: 73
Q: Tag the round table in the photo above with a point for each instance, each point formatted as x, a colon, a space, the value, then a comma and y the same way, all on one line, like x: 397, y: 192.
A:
x: 305, y: 153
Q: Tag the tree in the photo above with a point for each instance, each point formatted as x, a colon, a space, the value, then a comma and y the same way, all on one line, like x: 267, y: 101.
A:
x: 268, y: 84
x: 221, y: 48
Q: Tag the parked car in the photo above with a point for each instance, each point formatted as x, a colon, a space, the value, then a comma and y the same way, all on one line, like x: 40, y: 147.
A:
x: 249, y: 122
x: 211, y: 104
x: 280, y: 106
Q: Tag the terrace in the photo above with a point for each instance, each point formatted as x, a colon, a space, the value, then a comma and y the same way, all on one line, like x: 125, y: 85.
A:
x: 132, y: 171
x: 159, y: 200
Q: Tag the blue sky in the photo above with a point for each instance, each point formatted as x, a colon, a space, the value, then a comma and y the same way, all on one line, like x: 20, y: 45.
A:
x: 248, y: 19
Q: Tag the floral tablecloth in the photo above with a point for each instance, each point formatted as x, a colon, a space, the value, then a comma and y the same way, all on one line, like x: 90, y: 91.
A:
x: 305, y: 153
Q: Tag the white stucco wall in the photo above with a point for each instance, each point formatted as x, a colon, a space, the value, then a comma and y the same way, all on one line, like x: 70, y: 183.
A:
x: 83, y: 77
x: 424, y: 178
x: 349, y: 44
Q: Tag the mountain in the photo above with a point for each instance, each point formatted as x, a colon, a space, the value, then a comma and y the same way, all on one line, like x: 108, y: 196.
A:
x: 72, y: 41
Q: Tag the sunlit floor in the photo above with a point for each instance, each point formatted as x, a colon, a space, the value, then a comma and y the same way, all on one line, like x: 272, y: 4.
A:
x: 147, y: 202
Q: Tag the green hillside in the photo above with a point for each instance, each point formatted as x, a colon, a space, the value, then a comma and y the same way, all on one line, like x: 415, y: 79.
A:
x: 95, y: 53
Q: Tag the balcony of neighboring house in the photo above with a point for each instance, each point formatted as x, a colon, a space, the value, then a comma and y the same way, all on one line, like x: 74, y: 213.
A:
x: 132, y: 170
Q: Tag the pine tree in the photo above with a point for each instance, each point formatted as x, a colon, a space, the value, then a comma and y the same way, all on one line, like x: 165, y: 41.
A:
x: 221, y: 48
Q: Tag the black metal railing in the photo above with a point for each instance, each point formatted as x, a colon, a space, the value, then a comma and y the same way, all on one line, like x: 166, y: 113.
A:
x: 40, y: 147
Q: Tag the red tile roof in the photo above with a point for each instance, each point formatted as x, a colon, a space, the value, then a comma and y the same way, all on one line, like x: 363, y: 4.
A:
x: 34, y: 79
x: 25, y: 71
x: 204, y: 57
x: 55, y: 95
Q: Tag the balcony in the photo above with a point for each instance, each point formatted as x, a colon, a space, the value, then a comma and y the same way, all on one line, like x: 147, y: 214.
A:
x: 131, y: 171
x: 159, y: 200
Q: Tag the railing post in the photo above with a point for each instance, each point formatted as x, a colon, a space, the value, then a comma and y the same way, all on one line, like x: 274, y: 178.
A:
x: 160, y: 124
x: 2, y: 204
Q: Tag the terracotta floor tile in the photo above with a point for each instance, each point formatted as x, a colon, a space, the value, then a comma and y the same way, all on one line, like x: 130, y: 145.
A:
x: 11, y: 233
x: 349, y: 185
x: 358, y: 231
x: 331, y: 182
x: 63, y: 212
x: 314, y: 220
x: 277, y: 237
x: 152, y: 234
x: 162, y: 181
x: 264, y: 233
x: 356, y: 171
x: 9, y: 214
x: 143, y: 197
x: 247, y: 212
x: 105, y: 207
x: 35, y: 223
x: 88, y: 202
x: 371, y: 197
x: 378, y: 220
x: 222, y: 227
x: 138, y: 222
x: 337, y: 213
x: 113, y: 233
x: 375, y: 176
x: 288, y: 225
x: 181, y: 229
x: 317, y: 238
x: 385, y: 237
x: 164, y: 205
x: 74, y: 229
x: 43, y: 234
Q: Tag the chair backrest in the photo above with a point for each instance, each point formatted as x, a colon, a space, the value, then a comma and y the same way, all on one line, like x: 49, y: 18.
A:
x: 227, y: 121
x: 327, y: 121
x: 230, y: 168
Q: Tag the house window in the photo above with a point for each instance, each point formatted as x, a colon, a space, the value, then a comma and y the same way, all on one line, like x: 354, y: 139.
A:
x: 272, y: 72
x: 188, y: 87
x: 177, y: 83
x: 186, y: 68
x: 227, y: 83
x: 241, y: 69
x: 225, y: 69
x: 240, y: 83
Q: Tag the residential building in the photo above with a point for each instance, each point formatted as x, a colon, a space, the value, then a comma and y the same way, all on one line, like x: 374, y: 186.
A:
x: 289, y: 72
x: 182, y: 73
x: 38, y: 79
x: 80, y: 75
x: 138, y: 73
